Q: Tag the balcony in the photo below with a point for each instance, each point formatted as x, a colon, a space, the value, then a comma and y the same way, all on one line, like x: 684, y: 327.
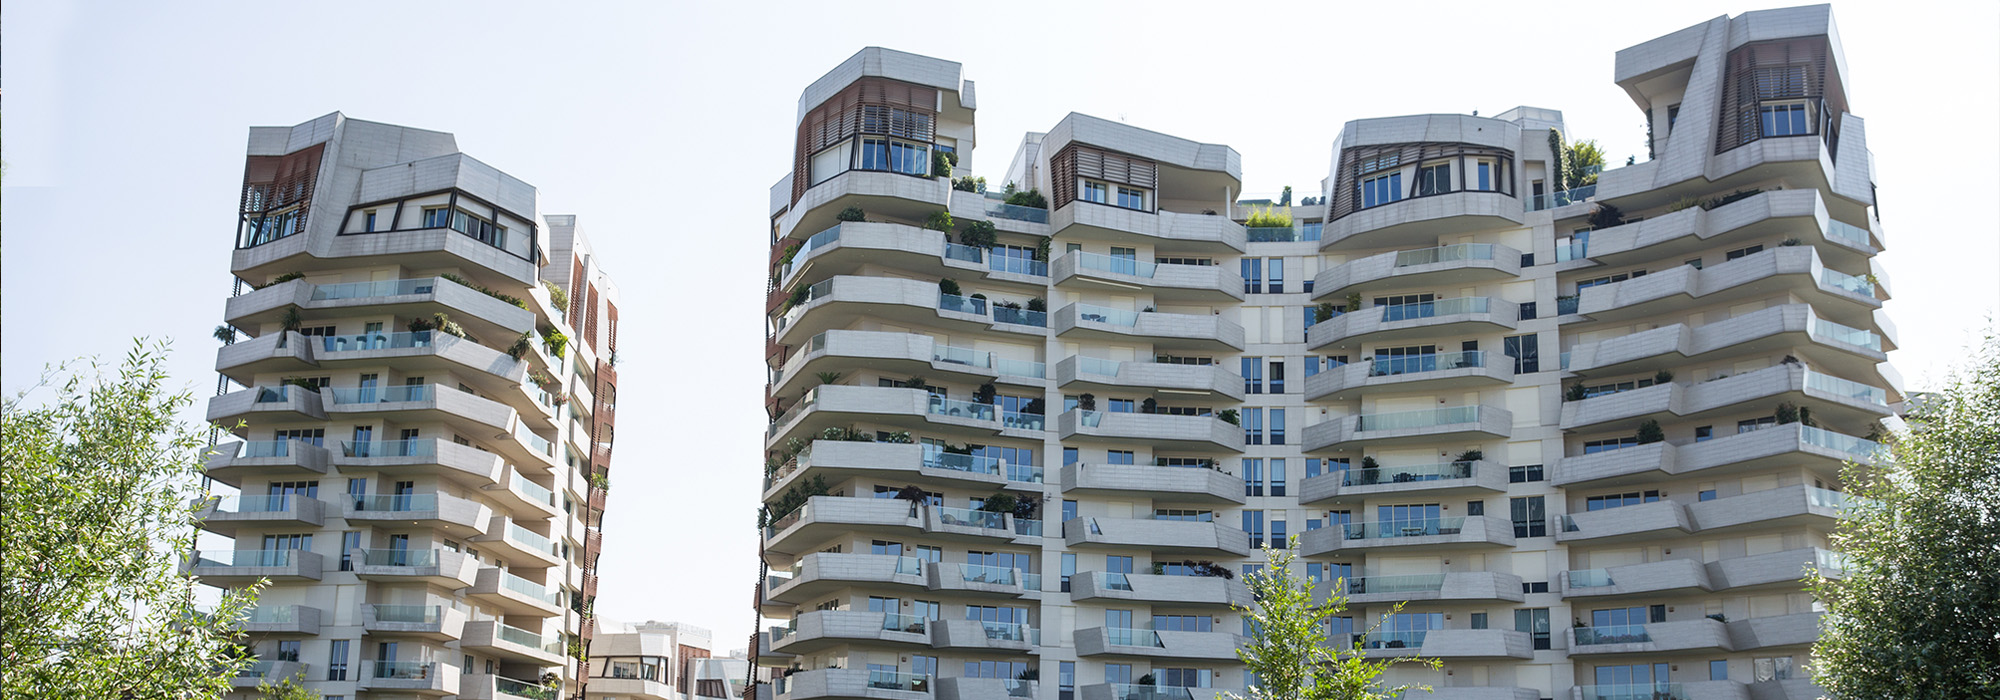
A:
x: 1797, y: 213
x: 513, y: 644
x: 1167, y: 283
x: 456, y: 516
x: 1162, y: 644
x: 463, y: 464
x: 434, y: 566
x: 464, y: 411
x: 836, y: 405
x: 993, y: 205
x: 1421, y: 218
x: 1650, y: 578
x: 1701, y: 634
x: 838, y: 460
x: 1792, y: 328
x: 1779, y: 508
x: 1454, y: 424
x: 419, y: 677
x: 1445, y: 479
x: 259, y: 673
x: 1187, y: 332
x: 1792, y: 443
x: 525, y: 497
x: 1453, y: 586
x: 481, y: 686
x: 1447, y: 644
x: 1177, y: 484
x: 237, y: 567
x: 823, y: 573
x: 1704, y: 690
x: 259, y: 404
x: 283, y: 620
x: 433, y: 622
x: 489, y: 371
x: 1164, y: 231
x: 284, y: 352
x: 232, y: 461
x: 842, y: 301
x: 1452, y: 533
x: 1774, y: 571
x: 1201, y: 433
x: 850, y: 247
x: 1109, y: 588
x: 516, y: 595
x: 964, y: 688
x: 224, y: 514
x: 1473, y: 692
x: 1132, y: 691
x: 880, y: 193
x: 1794, y: 630
x: 824, y: 517
x: 978, y: 580
x: 1180, y: 537
x: 824, y: 629
x: 482, y: 316
x: 1662, y: 518
x: 851, y: 684
x: 988, y: 637
x: 1459, y: 316
x: 1451, y: 371
x: 1842, y: 298
x: 1826, y: 395
x: 1458, y: 265
x: 520, y: 546
x: 1162, y: 380
x: 966, y: 524
x: 902, y: 354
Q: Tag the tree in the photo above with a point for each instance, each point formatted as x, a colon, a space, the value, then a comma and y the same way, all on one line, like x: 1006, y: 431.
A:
x: 287, y: 689
x: 1579, y: 159
x: 1917, y: 614
x: 1288, y: 650
x: 100, y: 491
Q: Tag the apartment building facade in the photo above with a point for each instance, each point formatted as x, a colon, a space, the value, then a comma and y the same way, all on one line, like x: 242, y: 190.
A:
x: 1587, y: 424
x: 662, y: 661
x: 419, y: 377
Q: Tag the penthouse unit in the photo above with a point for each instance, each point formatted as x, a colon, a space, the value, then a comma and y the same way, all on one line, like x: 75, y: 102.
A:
x: 419, y: 371
x: 661, y: 661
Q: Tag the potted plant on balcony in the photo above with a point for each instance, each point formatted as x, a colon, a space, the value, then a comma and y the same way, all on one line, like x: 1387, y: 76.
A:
x: 1150, y: 405
x: 1323, y: 312
x: 225, y: 333
x: 1000, y: 503
x: 969, y: 183
x: 1032, y: 198
x: 1575, y: 392
x: 1605, y: 216
x: 939, y: 220
x: 1650, y: 432
x: 1087, y: 402
x: 521, y: 345
x: 1038, y: 304
x: 942, y: 162
x: 1228, y: 415
x: 852, y: 214
x: 978, y: 234
x: 1353, y: 302
x: 949, y: 286
x: 827, y: 377
x: 1470, y: 456
x: 1663, y: 377
x: 1042, y: 250
x: 985, y: 393
x: 1786, y: 413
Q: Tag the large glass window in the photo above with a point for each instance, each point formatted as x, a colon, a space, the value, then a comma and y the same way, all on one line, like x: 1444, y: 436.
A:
x: 909, y: 158
x: 1094, y: 192
x: 1381, y: 189
x: 1530, y: 516
x: 1434, y: 179
x: 1130, y: 198
x: 874, y: 154
x: 1535, y: 622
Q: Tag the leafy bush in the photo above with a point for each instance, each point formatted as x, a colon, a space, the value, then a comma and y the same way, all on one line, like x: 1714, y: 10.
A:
x: 1685, y: 203
x: 1650, y: 432
x: 1575, y: 392
x: 488, y: 292
x: 1037, y: 304
x: 1663, y: 377
x: 1228, y: 415
x: 1605, y: 216
x: 949, y: 286
x: 280, y: 279
x: 852, y: 214
x: 557, y: 296
x: 969, y: 184
x: 941, y: 163
x: 1269, y: 217
x: 978, y: 234
x: 1323, y: 312
x: 939, y: 220
x: 556, y: 342
x: 1031, y: 198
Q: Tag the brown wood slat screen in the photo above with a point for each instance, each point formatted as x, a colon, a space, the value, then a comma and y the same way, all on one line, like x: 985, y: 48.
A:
x: 274, y: 183
x: 870, y: 105
x: 1792, y: 68
x: 1347, y: 183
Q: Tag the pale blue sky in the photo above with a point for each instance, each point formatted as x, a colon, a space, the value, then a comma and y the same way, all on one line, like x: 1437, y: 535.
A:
x: 663, y: 127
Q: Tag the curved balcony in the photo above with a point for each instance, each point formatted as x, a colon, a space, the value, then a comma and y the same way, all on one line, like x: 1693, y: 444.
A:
x: 1190, y: 332
x: 1134, y: 691
x: 824, y: 629
x: 267, y: 404
x: 1186, y: 537
x: 905, y: 354
x: 1650, y: 578
x: 432, y: 622
x: 992, y: 206
x: 1784, y: 507
x: 988, y: 637
x: 1826, y: 395
x: 1201, y: 433
x: 523, y: 496
x: 840, y: 460
x: 440, y: 567
x: 1450, y: 424
x: 1448, y: 533
x: 1430, y: 217
x: 512, y: 644
x: 455, y: 516
x: 1162, y: 380
x: 1843, y: 298
x: 520, y: 546
x: 880, y: 193
x: 238, y: 567
x: 1476, y: 692
x: 1728, y: 455
x: 822, y: 573
x: 482, y: 316
x: 285, y: 620
x: 1165, y: 231
x: 516, y: 595
x: 966, y: 688
x: 1431, y: 319
x: 1177, y: 484
x: 966, y: 524
x: 850, y: 684
x: 850, y: 247
x: 487, y: 686
x: 1443, y: 266
x: 1439, y: 372
x: 1652, y: 638
x: 1354, y: 484
x: 419, y: 677
x: 232, y: 461
x: 1796, y: 629
x: 1664, y: 518
x: 1792, y: 328
x: 835, y: 405
x: 1451, y: 586
x: 260, y: 673
x: 1167, y: 283
x: 281, y: 352
x: 464, y: 411
x: 1773, y: 571
x: 1446, y: 644
x: 223, y: 515
x: 825, y: 517
x: 1109, y: 588
x: 1799, y: 213
x: 1160, y: 644
x: 839, y: 302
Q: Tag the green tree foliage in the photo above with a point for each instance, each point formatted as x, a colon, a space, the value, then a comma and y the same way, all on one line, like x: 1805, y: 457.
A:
x: 1288, y: 648
x: 100, y: 487
x: 1559, y: 165
x: 1580, y: 161
x: 1917, y: 615
x: 287, y: 689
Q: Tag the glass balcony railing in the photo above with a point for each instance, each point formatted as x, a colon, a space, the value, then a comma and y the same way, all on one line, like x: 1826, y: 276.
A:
x: 1654, y: 691
x: 1567, y: 305
x: 996, y: 205
x: 1024, y: 473
x: 273, y: 615
x: 960, y: 409
x: 1828, y: 498
x: 529, y: 588
x: 1027, y: 528
x: 1023, y: 368
x: 1841, y: 280
x: 1010, y: 632
x: 376, y: 341
x: 1387, y: 365
x: 1827, y: 560
x: 1425, y: 418
x: 1827, y: 439
x: 966, y: 253
x: 256, y: 669
x: 1098, y: 366
x: 529, y: 538
x: 1273, y: 234
x: 398, y: 503
x: 1133, y: 637
x: 1020, y: 317
x: 535, y: 492
x: 1395, y: 584
x: 961, y: 304
x: 1134, y: 691
x: 280, y: 394
x: 1116, y: 581
x: 1575, y: 250
x: 1102, y: 314
x: 257, y: 504
x: 413, y: 614
x: 1441, y: 307
x: 1089, y: 419
x: 891, y: 680
x: 975, y: 464
x: 1611, y: 634
x: 1413, y: 473
x: 399, y: 557
x: 1404, y: 528
x: 383, y: 288
x: 1032, y: 582
x: 263, y: 449
x: 1113, y: 264
x: 516, y: 635
x: 1398, y: 639
x: 401, y: 670
x: 1844, y: 388
x: 895, y: 622
x: 390, y: 448
x: 1847, y: 232
x: 1560, y: 199
x: 980, y: 573
x: 244, y: 558
x: 911, y: 566
x: 382, y: 394
x: 1828, y: 330
x: 1442, y: 254
x: 1015, y: 264
x: 1024, y: 421
x: 974, y: 518
x: 1590, y: 578
x: 524, y: 689
x: 961, y: 356
x: 818, y: 241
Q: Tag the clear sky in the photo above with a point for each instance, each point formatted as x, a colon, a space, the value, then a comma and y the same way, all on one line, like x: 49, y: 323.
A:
x: 663, y: 126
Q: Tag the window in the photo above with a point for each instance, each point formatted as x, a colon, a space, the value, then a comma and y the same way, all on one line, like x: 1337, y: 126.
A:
x: 1535, y: 622
x: 1186, y: 516
x: 1530, y: 516
x: 1121, y: 405
x: 1183, y: 623
x: 1068, y: 510
x: 1253, y: 426
x: 1620, y: 500
x: 368, y: 222
x: 1277, y: 428
x: 909, y: 158
x: 1704, y: 433
x: 1784, y: 120
x: 1381, y: 189
x: 1131, y: 198
x: 1718, y: 670
x: 1608, y: 279
x: 1479, y: 620
x: 1118, y: 457
x: 1277, y: 530
x: 1772, y: 669
x: 1522, y: 475
x: 1705, y: 495
x: 1591, y: 447
x: 1276, y: 283
x: 1278, y: 466
x: 1534, y: 587
x: 1253, y: 375
x: 1093, y: 192
x: 1253, y: 523
x: 1485, y: 179
x: 1186, y: 677
x: 1742, y: 252
x: 1069, y: 456
x: 1253, y: 476
x: 336, y: 660
x: 1692, y: 262
x: 349, y: 541
x: 1068, y: 569
x: 1475, y: 508
x: 1754, y: 424
x: 1526, y: 351
x: 1253, y: 275
x: 1277, y: 384
x: 1066, y: 679
x: 1117, y: 674
x: 436, y: 218
x: 1434, y: 178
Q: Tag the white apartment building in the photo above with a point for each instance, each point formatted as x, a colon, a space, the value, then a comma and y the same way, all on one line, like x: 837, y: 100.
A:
x: 662, y: 661
x: 1588, y: 425
x: 420, y: 376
